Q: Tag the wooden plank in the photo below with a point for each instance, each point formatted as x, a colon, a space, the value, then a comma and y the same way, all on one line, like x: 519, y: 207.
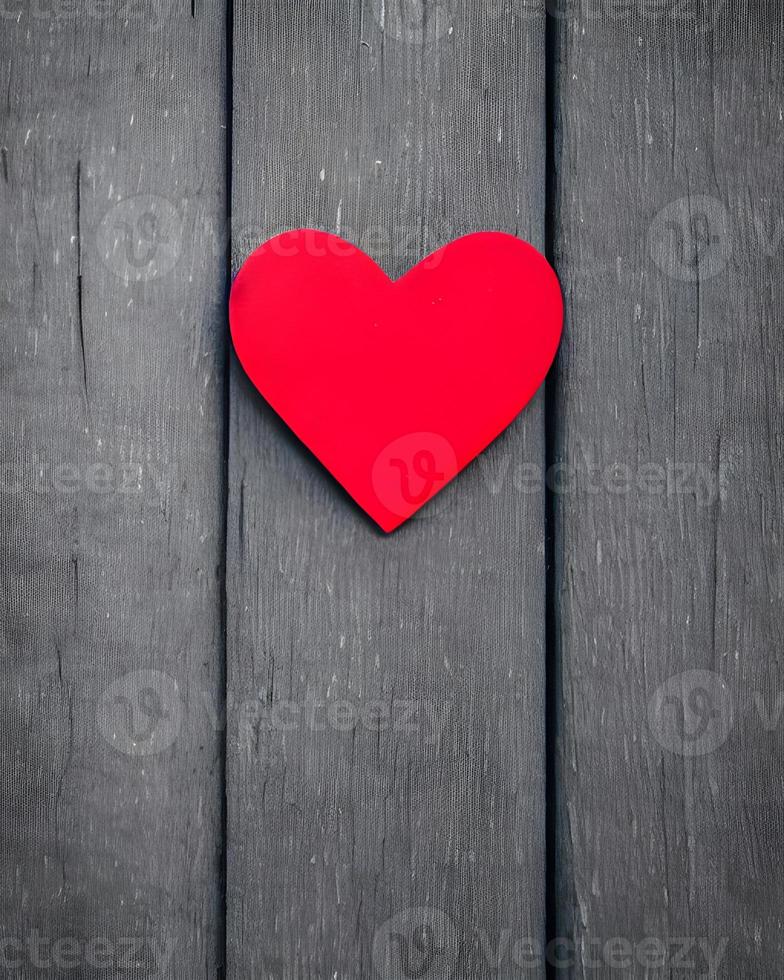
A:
x: 668, y: 579
x: 385, y: 747
x: 112, y: 182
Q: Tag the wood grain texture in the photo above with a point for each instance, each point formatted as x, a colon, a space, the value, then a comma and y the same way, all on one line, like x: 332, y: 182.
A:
x: 668, y: 240
x: 386, y: 735
x: 112, y: 161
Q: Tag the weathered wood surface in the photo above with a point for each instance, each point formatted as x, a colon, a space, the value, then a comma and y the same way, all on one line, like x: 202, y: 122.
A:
x: 386, y: 741
x: 386, y: 735
x: 112, y: 162
x: 668, y: 239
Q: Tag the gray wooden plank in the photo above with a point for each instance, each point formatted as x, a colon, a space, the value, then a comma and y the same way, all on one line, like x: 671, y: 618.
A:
x: 399, y: 126
x: 669, y: 617
x: 112, y: 182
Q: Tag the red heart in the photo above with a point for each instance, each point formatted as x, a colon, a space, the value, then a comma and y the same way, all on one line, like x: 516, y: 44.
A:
x: 396, y: 386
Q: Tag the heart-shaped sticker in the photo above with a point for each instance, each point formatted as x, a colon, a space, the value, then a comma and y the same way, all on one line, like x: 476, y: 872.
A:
x: 396, y: 385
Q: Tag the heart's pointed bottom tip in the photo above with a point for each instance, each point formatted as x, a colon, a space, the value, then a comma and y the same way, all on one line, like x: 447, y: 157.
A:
x: 389, y: 526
